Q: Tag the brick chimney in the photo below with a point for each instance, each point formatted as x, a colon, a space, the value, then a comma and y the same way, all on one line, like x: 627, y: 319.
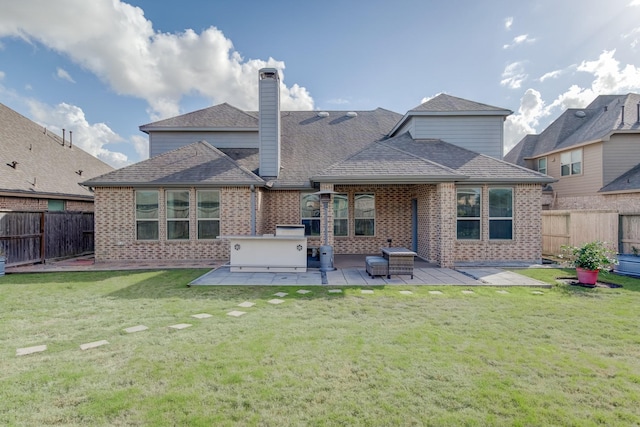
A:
x: 269, y: 122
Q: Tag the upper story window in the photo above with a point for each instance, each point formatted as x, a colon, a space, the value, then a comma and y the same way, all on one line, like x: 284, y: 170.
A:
x: 146, y: 215
x: 310, y: 213
x: 208, y: 214
x: 340, y: 215
x: 468, y: 213
x: 177, y: 215
x: 571, y: 163
x: 542, y: 165
x: 364, y: 216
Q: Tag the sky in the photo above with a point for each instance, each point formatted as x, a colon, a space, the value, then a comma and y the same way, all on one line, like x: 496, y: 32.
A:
x: 102, y: 68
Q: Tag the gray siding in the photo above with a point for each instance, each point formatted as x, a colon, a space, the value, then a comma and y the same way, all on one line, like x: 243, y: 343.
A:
x: 619, y: 155
x: 269, y: 100
x: 161, y: 142
x: 482, y: 134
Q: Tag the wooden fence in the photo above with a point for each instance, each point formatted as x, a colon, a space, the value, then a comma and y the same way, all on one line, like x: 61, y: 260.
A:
x: 620, y: 231
x: 29, y: 237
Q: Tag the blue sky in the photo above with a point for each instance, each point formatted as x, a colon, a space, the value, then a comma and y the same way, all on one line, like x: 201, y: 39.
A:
x: 104, y: 67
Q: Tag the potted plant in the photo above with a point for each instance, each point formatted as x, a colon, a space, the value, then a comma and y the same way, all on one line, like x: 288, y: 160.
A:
x: 629, y: 264
x: 589, y: 259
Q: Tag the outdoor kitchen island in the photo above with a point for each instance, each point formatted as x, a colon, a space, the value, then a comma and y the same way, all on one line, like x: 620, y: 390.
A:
x: 285, y: 251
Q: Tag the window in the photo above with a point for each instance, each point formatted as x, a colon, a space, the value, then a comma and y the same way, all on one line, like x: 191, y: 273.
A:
x: 501, y: 213
x: 571, y: 163
x: 147, y: 215
x: 542, y: 165
x: 364, y: 214
x: 177, y: 215
x: 468, y: 217
x: 208, y: 213
x: 310, y: 214
x: 340, y: 215
x: 55, y: 205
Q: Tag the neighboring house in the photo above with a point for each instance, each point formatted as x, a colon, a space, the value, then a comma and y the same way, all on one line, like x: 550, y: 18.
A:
x: 40, y: 170
x: 427, y: 180
x: 593, y: 152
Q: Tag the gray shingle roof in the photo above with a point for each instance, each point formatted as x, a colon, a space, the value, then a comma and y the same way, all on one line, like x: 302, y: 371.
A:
x: 222, y: 116
x: 44, y: 167
x: 195, y: 164
x: 447, y: 103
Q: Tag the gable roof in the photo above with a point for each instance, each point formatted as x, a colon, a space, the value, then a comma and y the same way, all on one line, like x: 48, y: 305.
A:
x: 219, y: 117
x: 447, y: 105
x: 407, y: 160
x: 195, y: 164
x: 44, y: 166
x: 580, y: 126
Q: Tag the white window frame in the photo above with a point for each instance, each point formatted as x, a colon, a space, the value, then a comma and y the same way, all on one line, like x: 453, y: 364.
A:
x: 357, y: 218
x: 201, y: 219
x: 345, y: 197
x: 568, y: 158
x: 315, y: 199
x: 501, y: 218
x: 477, y: 219
x: 156, y: 219
x: 170, y: 220
x: 543, y: 169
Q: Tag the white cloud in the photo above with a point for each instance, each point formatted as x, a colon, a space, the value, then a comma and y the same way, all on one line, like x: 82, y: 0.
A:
x: 518, y: 40
x: 141, y: 145
x: 64, y: 75
x: 513, y: 75
x: 2, y: 75
x: 92, y: 138
x: 338, y: 101
x: 524, y: 121
x: 634, y: 3
x: 117, y: 43
x: 508, y: 22
x: 551, y: 75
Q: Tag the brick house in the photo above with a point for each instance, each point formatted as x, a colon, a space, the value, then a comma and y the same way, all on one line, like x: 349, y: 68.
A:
x: 40, y: 170
x: 431, y: 180
x: 593, y: 154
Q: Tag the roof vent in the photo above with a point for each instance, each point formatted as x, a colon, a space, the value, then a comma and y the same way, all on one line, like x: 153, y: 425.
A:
x: 581, y: 114
x: 352, y: 114
x: 323, y: 114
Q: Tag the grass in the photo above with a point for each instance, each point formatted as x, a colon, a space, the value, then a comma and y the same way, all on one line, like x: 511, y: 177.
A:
x: 570, y: 356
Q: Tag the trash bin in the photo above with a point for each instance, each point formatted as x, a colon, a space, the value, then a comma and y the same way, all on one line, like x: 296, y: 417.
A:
x: 326, y: 258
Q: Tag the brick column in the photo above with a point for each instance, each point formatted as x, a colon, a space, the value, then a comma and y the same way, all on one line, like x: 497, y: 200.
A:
x: 446, y: 194
x: 330, y: 241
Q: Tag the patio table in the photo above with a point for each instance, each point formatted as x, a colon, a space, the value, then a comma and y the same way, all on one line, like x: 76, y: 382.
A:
x: 400, y: 260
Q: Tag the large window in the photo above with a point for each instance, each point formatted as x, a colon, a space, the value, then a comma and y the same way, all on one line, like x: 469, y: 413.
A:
x: 208, y: 213
x: 501, y: 213
x: 364, y: 216
x: 340, y: 215
x: 310, y: 214
x: 177, y: 215
x: 542, y: 165
x: 571, y: 163
x: 147, y: 215
x: 468, y: 217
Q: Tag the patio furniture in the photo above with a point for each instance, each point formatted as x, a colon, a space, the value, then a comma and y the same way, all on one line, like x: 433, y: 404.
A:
x: 377, y: 266
x: 400, y: 260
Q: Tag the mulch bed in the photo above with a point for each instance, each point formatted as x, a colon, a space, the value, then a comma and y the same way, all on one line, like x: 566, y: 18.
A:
x: 574, y: 282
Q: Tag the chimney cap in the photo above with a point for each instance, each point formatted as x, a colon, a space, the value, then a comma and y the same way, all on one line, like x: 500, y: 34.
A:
x: 269, y: 73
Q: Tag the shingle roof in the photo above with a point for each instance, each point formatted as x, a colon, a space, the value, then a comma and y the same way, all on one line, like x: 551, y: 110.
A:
x: 222, y: 116
x: 448, y: 103
x: 198, y: 163
x: 44, y: 166
x: 629, y: 181
x: 522, y: 150
x: 425, y: 160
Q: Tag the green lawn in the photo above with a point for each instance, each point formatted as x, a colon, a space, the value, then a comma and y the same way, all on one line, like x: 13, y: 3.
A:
x: 570, y: 356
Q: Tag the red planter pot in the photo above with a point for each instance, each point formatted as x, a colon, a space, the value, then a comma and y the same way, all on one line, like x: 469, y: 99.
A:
x: 587, y: 277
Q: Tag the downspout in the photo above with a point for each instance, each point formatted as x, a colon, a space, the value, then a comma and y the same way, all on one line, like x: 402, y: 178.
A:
x: 253, y: 210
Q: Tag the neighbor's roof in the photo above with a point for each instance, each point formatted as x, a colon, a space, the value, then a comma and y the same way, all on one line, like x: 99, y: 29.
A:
x: 195, y: 164
x: 44, y: 167
x: 579, y: 126
x: 627, y: 182
x: 425, y: 160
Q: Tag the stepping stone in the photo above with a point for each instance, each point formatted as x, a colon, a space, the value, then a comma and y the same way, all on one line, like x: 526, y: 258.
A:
x: 537, y: 293
x: 280, y: 294
x: 180, y: 326
x: 335, y: 291
x: 236, y: 313
x: 94, y: 344
x: 275, y: 301
x: 202, y: 316
x: 303, y: 291
x: 246, y: 304
x: 468, y: 292
x: 502, y: 291
x: 406, y: 292
x: 366, y: 291
x: 30, y: 350
x: 138, y: 328
x: 435, y: 292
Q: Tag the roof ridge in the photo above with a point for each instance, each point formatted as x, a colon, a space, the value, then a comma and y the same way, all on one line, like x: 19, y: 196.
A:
x: 224, y: 155
x: 386, y: 143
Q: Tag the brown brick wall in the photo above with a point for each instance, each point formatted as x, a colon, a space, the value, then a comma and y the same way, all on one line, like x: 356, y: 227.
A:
x: 624, y: 203
x: 38, y: 204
